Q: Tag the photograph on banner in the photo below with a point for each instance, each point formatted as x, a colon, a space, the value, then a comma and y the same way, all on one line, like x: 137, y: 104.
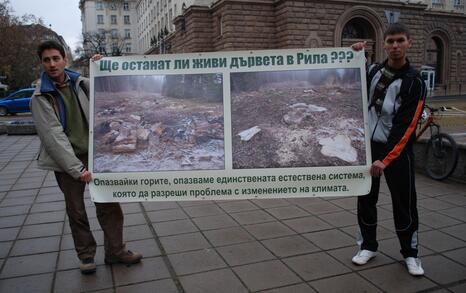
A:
x: 302, y: 118
x: 149, y: 123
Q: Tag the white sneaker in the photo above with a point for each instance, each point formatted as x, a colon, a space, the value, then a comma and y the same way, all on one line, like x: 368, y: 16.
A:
x: 363, y: 256
x: 414, y: 266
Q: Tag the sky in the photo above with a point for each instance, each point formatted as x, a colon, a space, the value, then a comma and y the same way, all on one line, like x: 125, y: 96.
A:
x: 64, y: 16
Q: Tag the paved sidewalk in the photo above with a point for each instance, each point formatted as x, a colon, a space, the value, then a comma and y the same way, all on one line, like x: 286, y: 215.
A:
x: 280, y: 245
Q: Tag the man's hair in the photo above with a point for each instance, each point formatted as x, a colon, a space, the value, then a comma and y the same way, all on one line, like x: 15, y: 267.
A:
x: 50, y: 44
x: 396, y: 28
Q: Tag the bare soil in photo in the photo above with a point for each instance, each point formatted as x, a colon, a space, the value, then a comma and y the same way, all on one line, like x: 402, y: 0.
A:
x: 298, y: 125
x: 147, y: 132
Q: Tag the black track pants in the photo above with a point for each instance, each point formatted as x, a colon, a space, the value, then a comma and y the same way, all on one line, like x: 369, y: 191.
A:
x: 400, y: 180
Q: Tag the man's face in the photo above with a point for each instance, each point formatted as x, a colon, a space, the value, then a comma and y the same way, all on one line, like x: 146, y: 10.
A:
x: 396, y: 46
x: 54, y: 64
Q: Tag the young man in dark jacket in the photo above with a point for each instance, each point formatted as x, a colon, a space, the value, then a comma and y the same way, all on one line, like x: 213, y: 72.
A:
x: 396, y: 100
x: 60, y: 109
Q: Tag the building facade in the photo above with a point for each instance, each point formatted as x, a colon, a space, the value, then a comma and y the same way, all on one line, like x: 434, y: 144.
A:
x: 109, y: 27
x: 438, y: 30
x: 155, y: 19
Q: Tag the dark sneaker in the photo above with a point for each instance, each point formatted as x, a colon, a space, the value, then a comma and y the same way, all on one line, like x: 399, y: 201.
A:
x: 126, y: 257
x: 87, y: 266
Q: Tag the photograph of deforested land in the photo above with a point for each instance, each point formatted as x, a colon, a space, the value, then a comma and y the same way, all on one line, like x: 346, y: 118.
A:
x: 303, y: 118
x: 150, y: 123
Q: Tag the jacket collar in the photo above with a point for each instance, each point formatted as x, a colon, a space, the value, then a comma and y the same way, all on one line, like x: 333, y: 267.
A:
x: 48, y: 86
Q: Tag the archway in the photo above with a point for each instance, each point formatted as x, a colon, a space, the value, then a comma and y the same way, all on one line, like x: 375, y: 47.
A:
x: 361, y: 23
x: 359, y: 29
x: 437, y: 55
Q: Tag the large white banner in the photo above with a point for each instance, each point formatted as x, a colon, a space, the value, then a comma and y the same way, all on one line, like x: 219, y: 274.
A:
x: 229, y: 125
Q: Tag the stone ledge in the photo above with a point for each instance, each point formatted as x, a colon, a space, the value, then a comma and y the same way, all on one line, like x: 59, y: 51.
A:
x: 459, y: 175
x: 20, y: 128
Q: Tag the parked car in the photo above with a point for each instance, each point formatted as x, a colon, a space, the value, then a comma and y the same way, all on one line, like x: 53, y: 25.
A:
x: 17, y: 102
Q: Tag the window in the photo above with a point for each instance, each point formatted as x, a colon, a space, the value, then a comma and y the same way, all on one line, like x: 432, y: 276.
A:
x: 126, y: 19
x: 99, y: 6
x: 114, y: 33
x: 102, y: 33
x: 126, y: 6
x: 127, y: 34
x: 100, y: 19
x: 128, y: 48
x: 113, y: 19
x: 112, y: 6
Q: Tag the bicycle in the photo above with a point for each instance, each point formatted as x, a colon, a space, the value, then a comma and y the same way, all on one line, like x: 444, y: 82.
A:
x: 441, y: 154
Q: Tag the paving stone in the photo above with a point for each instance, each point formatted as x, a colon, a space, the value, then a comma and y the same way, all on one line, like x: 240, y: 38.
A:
x: 48, y: 207
x: 288, y: 212
x: 266, y: 203
x: 68, y: 259
x: 174, y: 227
x: 289, y: 246
x: 36, y: 245
x: 349, y: 283
x: 136, y: 233
x: 42, y: 218
x: 50, y: 190
x: 344, y: 255
x: 12, y: 221
x: 455, y: 199
x: 315, y: 266
x: 329, y: 239
x: 340, y: 219
x: 269, y: 230
x: 25, y: 200
x: 266, y: 275
x: 160, y: 205
x: 307, y: 224
x: 228, y: 236
x: 320, y: 208
x: 299, y: 288
x: 147, y: 247
x: 244, y: 253
x: 184, y: 242
x: 5, y: 248
x: 442, y: 270
x: 162, y: 286
x: 41, y: 230
x: 436, y: 220
x: 49, y: 198
x: 67, y: 240
x: 213, y: 282
x: 37, y: 284
x: 14, y: 210
x: 234, y: 206
x: 131, y: 208
x: 382, y: 232
x: 347, y: 203
x: 391, y: 247
x: 395, y: 278
x: 461, y: 288
x: 148, y: 269
x: 8, y: 233
x: 439, y: 241
x: 191, y: 203
x: 457, y: 255
x: 458, y: 213
x: 303, y: 201
x: 74, y: 281
x: 458, y: 231
x: 252, y: 217
x: 134, y: 219
x: 215, y: 222
x: 203, y: 211
x: 21, y: 193
x: 28, y: 265
x: 434, y: 204
x: 167, y: 215
x: 196, y: 261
